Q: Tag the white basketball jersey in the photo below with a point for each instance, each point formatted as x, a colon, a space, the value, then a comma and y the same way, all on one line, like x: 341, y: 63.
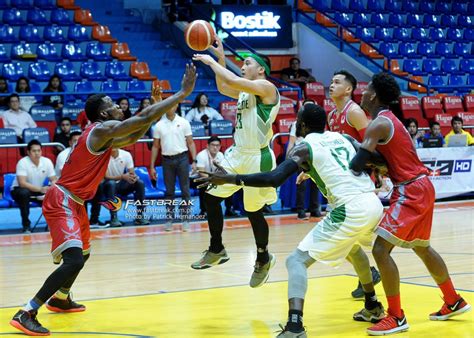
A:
x: 253, y: 122
x: 331, y: 154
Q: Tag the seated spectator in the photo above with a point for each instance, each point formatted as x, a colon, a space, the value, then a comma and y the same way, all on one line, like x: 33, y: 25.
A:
x: 120, y: 179
x: 416, y: 135
x: 296, y: 74
x: 64, y: 135
x: 201, y: 111
x: 31, y: 172
x: 16, y: 118
x: 23, y: 86
x: 124, y: 104
x: 434, y: 134
x: 55, y: 85
x: 3, y: 90
x: 457, y: 125
x: 63, y: 155
x: 205, y: 161
x: 145, y: 102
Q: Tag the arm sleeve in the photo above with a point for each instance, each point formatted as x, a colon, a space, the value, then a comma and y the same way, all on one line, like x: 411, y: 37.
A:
x: 200, y: 158
x: 128, y: 161
x: 190, y: 115
x: 21, y: 169
x: 215, y: 114
x: 187, y: 129
x: 156, y: 131
x: 293, y: 129
x: 50, y: 167
x: 274, y: 178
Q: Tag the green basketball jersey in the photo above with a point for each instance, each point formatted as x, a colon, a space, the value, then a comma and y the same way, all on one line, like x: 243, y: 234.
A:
x: 330, y: 155
x: 253, y: 122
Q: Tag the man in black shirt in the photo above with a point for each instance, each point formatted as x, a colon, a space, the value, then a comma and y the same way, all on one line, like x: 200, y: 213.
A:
x: 64, y: 135
x: 295, y: 74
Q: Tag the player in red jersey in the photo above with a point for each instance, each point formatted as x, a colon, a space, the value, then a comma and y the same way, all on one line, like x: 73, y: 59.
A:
x: 407, y: 222
x: 63, y: 205
x: 349, y: 118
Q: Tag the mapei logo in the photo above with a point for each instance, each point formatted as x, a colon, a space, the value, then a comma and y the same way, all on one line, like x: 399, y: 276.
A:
x: 264, y: 20
x: 462, y: 166
x: 113, y: 204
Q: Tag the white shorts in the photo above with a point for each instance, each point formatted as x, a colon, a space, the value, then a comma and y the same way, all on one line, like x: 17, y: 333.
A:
x: 331, y: 240
x: 242, y: 161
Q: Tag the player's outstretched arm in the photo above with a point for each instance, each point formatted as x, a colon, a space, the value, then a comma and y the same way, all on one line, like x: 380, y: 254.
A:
x: 129, y: 131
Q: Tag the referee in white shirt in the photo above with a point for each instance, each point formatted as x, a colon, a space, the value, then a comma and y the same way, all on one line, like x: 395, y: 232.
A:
x: 31, y: 172
x: 173, y: 135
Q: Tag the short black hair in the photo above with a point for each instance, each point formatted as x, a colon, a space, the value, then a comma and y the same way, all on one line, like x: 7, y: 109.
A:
x: 213, y: 138
x: 386, y: 88
x: 74, y: 133
x: 314, y: 117
x: 434, y: 123
x: 308, y: 100
x: 411, y: 120
x: 65, y: 119
x: 267, y: 61
x: 33, y: 143
x: 17, y: 88
x: 12, y: 96
x: 93, y: 106
x: 294, y: 59
x: 348, y: 76
x: 456, y: 119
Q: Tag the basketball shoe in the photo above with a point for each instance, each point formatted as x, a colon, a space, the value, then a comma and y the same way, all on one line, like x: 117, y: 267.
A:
x: 285, y: 333
x: 388, y: 325
x: 26, y: 321
x: 359, y: 291
x: 209, y: 259
x: 448, y: 311
x: 261, y: 272
x: 64, y: 305
x: 373, y: 316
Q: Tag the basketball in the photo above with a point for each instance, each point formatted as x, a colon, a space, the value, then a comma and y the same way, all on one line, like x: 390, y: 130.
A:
x: 199, y: 35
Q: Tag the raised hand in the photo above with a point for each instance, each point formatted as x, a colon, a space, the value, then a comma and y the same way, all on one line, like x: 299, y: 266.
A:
x: 204, y: 58
x: 218, y: 49
x: 156, y: 93
x: 219, y: 177
x: 189, y: 79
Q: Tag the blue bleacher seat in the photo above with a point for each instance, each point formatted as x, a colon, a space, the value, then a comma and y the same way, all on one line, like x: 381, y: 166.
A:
x: 66, y: 71
x: 7, y: 136
x: 361, y: 19
x: 12, y: 71
x: 35, y: 88
x: 136, y: 85
x: 150, y: 190
x: 437, y: 34
x: 21, y: 51
x: 442, y: 7
x: 374, y: 6
x: 343, y: 19
x: 419, y: 34
x: 220, y: 127
x: 468, y: 34
x: 4, y: 57
x: 4, y: 4
x: 73, y: 52
x: 454, y: 34
x: 379, y: 20
x: 7, y: 187
x: 458, y: 80
x: 110, y: 87
x: 338, y: 5
x: 470, y: 79
x: 83, y: 86
x: 116, y: 70
x: 470, y: 8
x: 383, y: 34
x: 39, y: 71
x: 389, y: 49
x: 426, y: 49
x: 365, y: 34
x: 409, y: 6
x: 13, y: 17
x: 413, y: 67
x: 448, y: 20
x: 466, y: 66
x: 449, y: 66
x: 462, y: 49
x: 414, y: 20
x: 91, y: 71
x: 356, y: 6
x: 198, y: 129
x: 45, y: 4
x: 401, y: 34
x: 437, y: 80
x: 426, y: 6
x: 72, y: 110
x: 40, y: 134
x: 78, y: 34
x: 431, y: 66
x: 48, y: 51
x: 459, y: 7
x: 7, y: 34
x: 160, y: 182
x: 37, y: 17
x: 431, y: 20
x: 96, y: 51
x: 61, y: 17
x: 54, y: 34
x: 465, y: 21
x: 396, y: 20
x: 30, y: 34
x: 43, y: 113
x: 444, y: 49
x: 22, y: 4
x: 407, y: 49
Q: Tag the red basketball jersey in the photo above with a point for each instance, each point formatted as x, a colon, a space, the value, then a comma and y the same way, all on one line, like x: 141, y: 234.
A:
x: 402, y: 160
x: 84, y: 169
x: 339, y: 123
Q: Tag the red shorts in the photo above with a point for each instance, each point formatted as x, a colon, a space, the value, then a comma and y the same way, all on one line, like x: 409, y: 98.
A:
x: 407, y: 222
x: 67, y: 221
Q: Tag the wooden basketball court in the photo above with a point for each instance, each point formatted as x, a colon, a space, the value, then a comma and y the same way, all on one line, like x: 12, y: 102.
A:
x: 138, y: 283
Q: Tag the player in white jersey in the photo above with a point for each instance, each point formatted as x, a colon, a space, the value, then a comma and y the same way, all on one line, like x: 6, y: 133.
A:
x: 356, y: 211
x: 258, y: 105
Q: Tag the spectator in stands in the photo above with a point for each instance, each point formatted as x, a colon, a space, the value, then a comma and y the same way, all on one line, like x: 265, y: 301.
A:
x: 124, y: 104
x: 416, y: 135
x: 201, y: 111
x: 457, y: 129
x: 145, y: 102
x: 63, y: 155
x: 120, y: 179
x: 3, y: 90
x: 296, y: 74
x: 205, y: 161
x: 64, y: 135
x: 55, y: 85
x: 16, y: 118
x: 435, y: 133
x: 31, y: 172
x: 314, y: 207
x: 23, y: 86
x: 173, y: 135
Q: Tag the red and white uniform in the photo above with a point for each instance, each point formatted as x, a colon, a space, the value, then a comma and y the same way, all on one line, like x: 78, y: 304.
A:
x: 339, y: 123
x: 63, y: 205
x: 407, y: 222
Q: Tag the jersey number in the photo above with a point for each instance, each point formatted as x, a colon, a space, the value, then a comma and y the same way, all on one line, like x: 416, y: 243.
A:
x: 341, y: 154
x: 238, y: 119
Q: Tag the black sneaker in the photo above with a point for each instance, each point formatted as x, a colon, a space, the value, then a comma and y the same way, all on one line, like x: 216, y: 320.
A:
x: 286, y: 333
x: 99, y: 225
x: 141, y: 221
x: 359, y: 291
x: 230, y: 213
x: 302, y: 215
x: 64, y: 305
x: 316, y: 213
x: 26, y: 321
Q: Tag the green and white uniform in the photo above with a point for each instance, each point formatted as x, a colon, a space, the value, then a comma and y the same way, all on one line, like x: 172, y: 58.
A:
x: 250, y: 153
x: 356, y: 209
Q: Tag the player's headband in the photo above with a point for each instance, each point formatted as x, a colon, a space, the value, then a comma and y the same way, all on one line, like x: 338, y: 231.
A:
x: 257, y: 58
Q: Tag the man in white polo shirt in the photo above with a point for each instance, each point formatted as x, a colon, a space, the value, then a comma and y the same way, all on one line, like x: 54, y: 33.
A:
x: 173, y: 135
x: 17, y: 119
x: 31, y: 172
x: 63, y: 155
